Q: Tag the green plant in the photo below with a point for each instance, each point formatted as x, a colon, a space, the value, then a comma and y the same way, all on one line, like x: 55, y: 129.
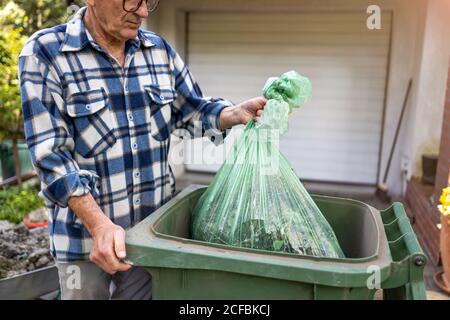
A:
x: 18, y: 20
x: 33, y: 15
x: 17, y: 202
x: 11, y: 120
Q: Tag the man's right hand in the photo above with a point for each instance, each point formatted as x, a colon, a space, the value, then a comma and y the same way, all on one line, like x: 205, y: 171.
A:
x: 108, y: 239
x: 108, y: 247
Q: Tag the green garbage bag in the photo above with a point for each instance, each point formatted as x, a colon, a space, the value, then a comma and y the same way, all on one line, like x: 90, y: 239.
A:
x: 291, y: 87
x: 256, y: 200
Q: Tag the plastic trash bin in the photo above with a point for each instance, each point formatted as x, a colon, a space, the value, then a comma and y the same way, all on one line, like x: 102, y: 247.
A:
x: 7, y: 159
x: 380, y: 246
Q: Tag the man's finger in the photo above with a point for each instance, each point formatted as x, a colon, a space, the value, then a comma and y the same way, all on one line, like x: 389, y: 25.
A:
x: 119, y: 249
x: 113, y: 264
x: 262, y: 101
x: 119, y: 244
x: 123, y: 267
x: 107, y: 254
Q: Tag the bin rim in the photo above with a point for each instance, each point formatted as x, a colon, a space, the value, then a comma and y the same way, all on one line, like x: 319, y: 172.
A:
x: 175, y: 252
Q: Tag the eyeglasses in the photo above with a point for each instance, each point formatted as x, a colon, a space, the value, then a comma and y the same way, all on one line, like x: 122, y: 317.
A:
x: 134, y: 5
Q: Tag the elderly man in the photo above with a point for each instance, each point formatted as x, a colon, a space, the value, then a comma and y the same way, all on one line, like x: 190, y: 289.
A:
x: 100, y: 99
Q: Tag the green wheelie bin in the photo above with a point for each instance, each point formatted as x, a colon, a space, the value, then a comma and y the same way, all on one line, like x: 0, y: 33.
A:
x: 381, y: 249
x: 7, y: 160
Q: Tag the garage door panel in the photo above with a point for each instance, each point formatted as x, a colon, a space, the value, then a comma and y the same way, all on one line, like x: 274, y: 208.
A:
x: 330, y: 18
x: 336, y: 136
x: 330, y: 147
x: 340, y: 72
x: 332, y: 98
x: 360, y: 64
x: 222, y: 39
x: 295, y: 49
x: 286, y: 27
x: 327, y: 88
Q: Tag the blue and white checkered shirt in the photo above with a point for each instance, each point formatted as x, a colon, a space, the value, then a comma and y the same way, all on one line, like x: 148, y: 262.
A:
x: 93, y: 127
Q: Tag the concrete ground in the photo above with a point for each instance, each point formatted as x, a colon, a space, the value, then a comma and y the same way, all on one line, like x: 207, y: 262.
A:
x: 364, y: 194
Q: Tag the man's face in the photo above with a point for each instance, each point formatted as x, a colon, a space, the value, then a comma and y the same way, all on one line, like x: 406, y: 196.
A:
x: 116, y: 21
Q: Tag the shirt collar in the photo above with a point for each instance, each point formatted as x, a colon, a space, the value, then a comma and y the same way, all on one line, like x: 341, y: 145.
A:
x: 77, y: 36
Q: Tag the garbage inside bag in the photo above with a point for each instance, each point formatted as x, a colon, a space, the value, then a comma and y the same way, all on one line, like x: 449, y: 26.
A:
x: 256, y: 200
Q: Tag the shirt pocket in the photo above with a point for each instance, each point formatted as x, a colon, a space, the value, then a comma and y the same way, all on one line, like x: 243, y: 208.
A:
x: 160, y: 103
x: 93, y: 122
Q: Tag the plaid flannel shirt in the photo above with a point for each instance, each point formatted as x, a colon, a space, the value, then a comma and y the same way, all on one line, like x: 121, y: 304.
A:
x: 93, y: 127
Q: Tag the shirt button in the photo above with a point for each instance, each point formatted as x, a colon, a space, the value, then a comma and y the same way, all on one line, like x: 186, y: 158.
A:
x: 130, y: 117
x: 137, y: 201
x: 88, y: 107
x: 162, y: 98
x: 135, y: 146
x: 137, y: 174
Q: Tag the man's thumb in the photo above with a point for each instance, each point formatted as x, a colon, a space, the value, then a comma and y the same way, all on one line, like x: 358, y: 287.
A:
x: 119, y: 244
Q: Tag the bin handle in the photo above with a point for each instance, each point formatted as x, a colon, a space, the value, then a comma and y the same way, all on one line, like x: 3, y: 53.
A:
x: 406, y: 278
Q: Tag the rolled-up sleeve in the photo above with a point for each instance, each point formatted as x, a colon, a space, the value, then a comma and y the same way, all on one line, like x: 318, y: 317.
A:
x: 48, y: 133
x: 191, y: 105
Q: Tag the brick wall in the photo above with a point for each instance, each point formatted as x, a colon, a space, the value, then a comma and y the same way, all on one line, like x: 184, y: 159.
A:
x: 443, y: 169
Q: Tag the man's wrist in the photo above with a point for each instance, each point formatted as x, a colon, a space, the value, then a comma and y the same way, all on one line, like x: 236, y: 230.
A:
x: 98, y: 221
x: 90, y: 214
x: 229, y: 117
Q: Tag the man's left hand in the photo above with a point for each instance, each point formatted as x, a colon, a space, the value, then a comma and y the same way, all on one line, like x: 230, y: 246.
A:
x: 242, y: 113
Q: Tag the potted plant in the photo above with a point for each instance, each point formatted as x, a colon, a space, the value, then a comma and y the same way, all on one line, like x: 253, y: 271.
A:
x: 442, y: 279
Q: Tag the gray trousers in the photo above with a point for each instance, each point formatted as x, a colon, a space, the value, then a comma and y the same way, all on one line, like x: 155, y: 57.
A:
x: 84, y: 280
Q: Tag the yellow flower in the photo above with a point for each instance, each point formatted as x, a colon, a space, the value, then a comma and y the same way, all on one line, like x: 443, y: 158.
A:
x: 445, y: 198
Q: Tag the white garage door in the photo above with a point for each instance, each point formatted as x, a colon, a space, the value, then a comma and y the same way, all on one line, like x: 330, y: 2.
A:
x: 336, y: 136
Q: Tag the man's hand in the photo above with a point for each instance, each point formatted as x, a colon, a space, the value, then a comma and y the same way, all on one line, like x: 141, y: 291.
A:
x: 242, y: 113
x: 108, y: 239
x: 109, y: 247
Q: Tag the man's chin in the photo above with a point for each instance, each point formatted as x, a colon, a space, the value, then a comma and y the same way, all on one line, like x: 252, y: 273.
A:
x: 129, y: 33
